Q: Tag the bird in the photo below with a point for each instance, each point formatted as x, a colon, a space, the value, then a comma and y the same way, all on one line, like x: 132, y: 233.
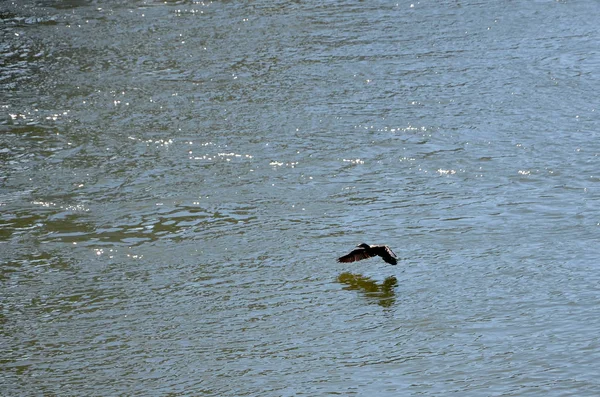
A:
x: 365, y: 251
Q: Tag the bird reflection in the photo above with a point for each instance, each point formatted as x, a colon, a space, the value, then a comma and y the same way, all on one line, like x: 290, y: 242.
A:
x: 383, y: 292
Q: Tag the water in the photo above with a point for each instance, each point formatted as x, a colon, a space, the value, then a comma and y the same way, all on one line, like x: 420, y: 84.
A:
x: 178, y: 178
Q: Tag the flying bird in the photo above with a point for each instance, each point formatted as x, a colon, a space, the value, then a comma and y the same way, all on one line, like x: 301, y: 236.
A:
x: 365, y: 251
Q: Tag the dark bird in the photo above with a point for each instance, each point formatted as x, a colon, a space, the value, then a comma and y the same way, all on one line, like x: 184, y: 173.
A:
x: 365, y: 251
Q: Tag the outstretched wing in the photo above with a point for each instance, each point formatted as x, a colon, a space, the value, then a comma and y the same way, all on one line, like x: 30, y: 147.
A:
x: 356, y: 255
x: 387, y: 254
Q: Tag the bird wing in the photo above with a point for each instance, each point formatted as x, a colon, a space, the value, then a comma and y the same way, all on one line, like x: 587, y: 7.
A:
x: 387, y: 254
x: 356, y: 255
x: 390, y: 252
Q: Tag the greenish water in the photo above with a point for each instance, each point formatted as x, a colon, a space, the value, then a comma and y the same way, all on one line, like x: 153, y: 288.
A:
x: 177, y: 179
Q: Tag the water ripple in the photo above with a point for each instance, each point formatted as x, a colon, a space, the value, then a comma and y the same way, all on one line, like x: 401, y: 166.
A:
x: 175, y: 192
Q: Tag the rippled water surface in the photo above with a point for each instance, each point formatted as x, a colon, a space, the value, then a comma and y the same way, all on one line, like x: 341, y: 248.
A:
x: 177, y: 179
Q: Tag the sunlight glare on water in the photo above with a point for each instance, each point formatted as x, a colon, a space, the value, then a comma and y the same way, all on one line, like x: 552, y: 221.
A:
x: 179, y: 178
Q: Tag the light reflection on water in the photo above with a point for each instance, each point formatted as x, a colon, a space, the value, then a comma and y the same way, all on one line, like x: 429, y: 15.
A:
x: 175, y: 188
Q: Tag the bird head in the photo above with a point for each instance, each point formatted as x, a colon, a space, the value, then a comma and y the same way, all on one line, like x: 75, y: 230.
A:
x: 363, y: 245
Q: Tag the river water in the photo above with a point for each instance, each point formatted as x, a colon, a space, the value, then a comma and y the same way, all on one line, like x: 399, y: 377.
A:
x: 177, y: 179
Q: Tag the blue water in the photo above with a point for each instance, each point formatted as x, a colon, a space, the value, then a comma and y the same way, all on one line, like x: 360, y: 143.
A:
x: 178, y: 178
